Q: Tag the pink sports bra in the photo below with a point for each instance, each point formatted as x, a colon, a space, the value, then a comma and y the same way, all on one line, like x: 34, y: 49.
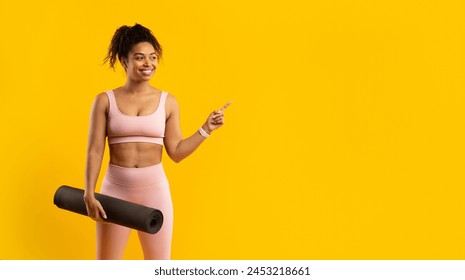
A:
x: 123, y: 128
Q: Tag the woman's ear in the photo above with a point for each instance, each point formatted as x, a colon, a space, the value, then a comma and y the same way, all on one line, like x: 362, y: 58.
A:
x: 124, y: 63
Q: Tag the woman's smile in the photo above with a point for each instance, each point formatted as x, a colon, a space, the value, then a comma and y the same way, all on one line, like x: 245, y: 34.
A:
x: 147, y: 72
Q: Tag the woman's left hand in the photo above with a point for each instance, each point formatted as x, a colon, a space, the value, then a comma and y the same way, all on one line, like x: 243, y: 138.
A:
x: 216, y: 119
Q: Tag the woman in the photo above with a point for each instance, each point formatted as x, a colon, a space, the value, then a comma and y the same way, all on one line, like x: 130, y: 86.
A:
x: 138, y: 120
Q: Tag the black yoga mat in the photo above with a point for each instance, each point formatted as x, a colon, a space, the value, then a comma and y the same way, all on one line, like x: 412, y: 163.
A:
x: 118, y: 211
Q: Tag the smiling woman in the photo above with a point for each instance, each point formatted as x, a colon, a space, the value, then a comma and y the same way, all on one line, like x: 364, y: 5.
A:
x: 143, y: 59
x: 138, y: 121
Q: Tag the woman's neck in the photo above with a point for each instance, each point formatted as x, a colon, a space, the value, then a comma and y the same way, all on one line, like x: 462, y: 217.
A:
x: 136, y: 87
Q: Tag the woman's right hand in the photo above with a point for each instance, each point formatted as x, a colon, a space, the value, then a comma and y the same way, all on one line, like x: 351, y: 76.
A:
x: 94, y: 208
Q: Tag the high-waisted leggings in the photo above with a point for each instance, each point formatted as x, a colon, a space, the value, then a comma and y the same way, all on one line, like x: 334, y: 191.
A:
x: 147, y: 186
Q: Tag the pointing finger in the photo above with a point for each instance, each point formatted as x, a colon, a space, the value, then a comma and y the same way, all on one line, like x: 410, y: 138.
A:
x: 226, y: 106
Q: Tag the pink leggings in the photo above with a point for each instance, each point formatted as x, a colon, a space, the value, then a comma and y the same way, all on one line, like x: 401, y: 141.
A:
x: 147, y: 186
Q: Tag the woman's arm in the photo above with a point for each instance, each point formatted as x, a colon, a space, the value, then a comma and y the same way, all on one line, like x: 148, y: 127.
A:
x: 95, y: 150
x: 178, y: 148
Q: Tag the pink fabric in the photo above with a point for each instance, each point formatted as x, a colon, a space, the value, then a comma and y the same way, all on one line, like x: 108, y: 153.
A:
x: 123, y: 128
x: 147, y: 186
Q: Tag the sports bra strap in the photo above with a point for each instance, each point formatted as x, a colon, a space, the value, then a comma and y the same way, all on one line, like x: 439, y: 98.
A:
x: 163, y: 96
x: 112, y: 99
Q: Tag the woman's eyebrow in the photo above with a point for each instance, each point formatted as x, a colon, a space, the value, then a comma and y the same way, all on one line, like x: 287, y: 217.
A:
x: 143, y: 54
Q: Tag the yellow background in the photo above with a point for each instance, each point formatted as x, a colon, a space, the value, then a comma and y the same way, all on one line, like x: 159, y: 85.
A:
x: 345, y: 139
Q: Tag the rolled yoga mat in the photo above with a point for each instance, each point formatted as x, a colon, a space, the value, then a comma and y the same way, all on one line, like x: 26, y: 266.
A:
x: 118, y: 211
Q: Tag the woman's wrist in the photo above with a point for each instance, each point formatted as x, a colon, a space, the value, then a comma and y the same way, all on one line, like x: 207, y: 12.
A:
x: 204, y: 131
x: 89, y: 195
x: 207, y: 130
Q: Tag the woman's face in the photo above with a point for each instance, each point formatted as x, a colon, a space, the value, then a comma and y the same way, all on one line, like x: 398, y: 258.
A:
x: 141, y: 62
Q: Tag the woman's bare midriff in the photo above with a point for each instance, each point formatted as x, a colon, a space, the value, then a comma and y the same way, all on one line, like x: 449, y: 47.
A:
x: 135, y: 155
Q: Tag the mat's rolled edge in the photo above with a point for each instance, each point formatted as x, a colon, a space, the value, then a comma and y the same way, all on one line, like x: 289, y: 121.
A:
x: 55, y: 196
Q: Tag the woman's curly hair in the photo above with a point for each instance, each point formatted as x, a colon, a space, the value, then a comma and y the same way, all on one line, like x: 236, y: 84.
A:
x: 125, y: 38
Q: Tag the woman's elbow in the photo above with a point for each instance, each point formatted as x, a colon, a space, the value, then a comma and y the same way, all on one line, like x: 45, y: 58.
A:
x: 176, y: 158
x: 174, y: 152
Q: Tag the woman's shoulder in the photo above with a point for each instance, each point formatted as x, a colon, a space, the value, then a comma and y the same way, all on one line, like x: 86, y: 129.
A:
x: 101, y: 101
x: 102, y: 97
x: 171, y: 104
x: 170, y: 98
